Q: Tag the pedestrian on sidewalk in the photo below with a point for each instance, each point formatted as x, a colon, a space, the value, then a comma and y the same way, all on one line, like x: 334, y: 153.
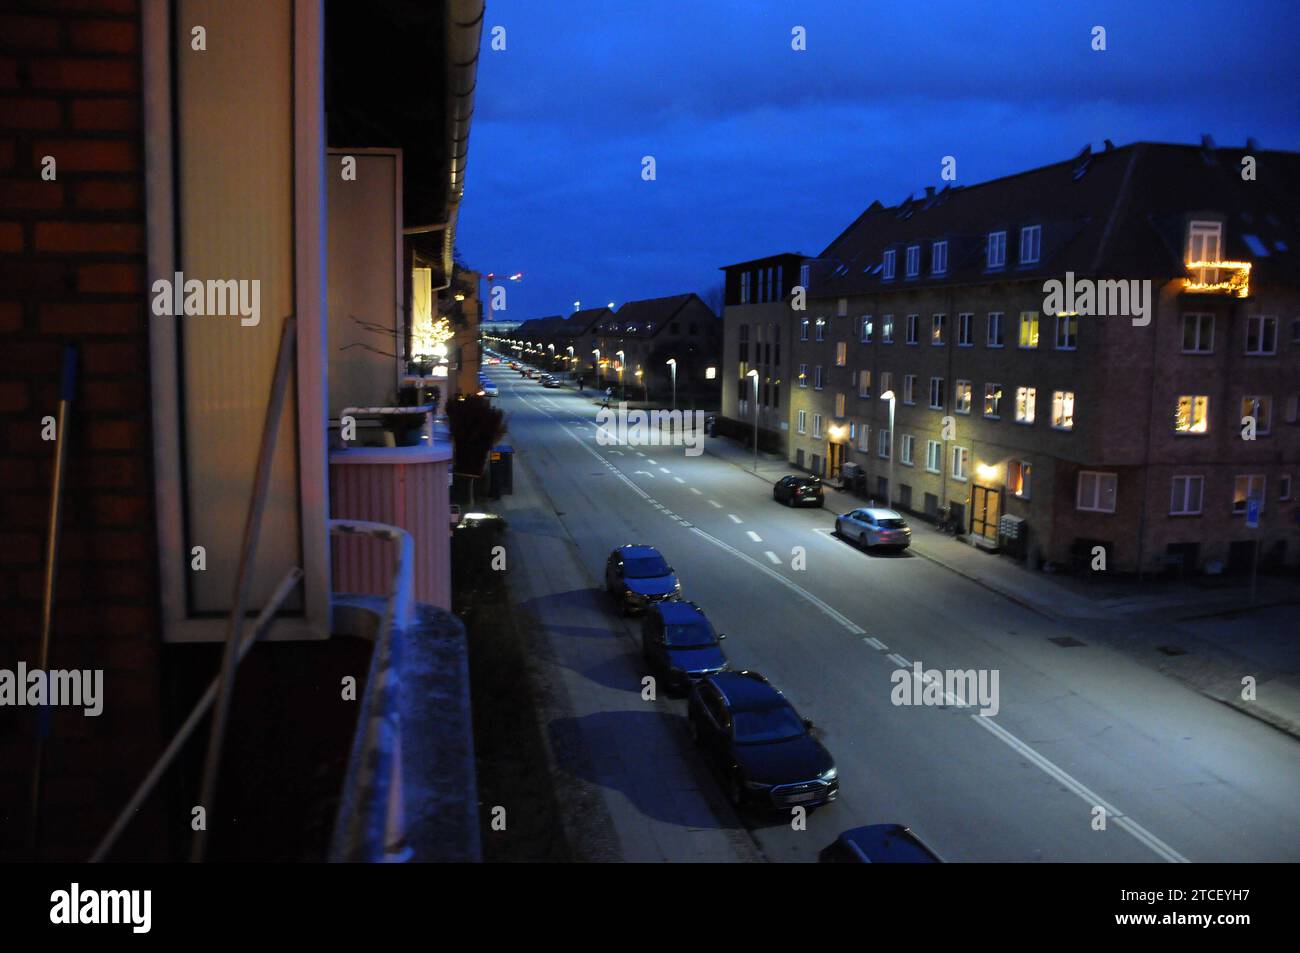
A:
x: 579, y: 383
x: 609, y: 392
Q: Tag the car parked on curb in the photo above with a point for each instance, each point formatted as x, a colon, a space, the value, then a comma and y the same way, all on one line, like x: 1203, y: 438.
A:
x: 551, y: 382
x: 878, y: 844
x: 680, y: 645
x: 874, y: 526
x: 638, y: 576
x: 764, y: 752
x: 799, y: 490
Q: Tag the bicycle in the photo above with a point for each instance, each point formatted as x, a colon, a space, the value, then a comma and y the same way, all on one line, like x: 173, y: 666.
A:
x: 946, y: 524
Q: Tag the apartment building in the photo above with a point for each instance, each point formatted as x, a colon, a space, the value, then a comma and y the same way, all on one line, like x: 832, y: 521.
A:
x: 1140, y: 409
x: 756, y: 337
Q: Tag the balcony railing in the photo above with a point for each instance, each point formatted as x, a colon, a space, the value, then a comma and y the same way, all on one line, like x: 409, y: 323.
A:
x: 1208, y: 278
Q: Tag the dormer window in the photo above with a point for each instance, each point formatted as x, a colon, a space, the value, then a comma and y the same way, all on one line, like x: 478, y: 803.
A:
x: 939, y: 258
x: 913, y: 260
x: 997, y: 250
x: 1204, y: 242
x: 888, y: 264
x: 1031, y: 242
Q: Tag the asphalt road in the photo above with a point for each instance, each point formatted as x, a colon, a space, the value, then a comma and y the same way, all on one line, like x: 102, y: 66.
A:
x: 1080, y: 732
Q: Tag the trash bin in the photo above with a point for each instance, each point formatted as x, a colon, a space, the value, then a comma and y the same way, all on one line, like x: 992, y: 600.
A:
x: 711, y: 426
x: 501, y: 470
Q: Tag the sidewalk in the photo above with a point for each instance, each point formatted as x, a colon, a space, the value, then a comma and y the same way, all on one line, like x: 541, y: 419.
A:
x: 1202, y: 632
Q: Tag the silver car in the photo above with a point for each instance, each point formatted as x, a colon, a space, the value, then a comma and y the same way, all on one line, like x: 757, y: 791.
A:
x: 874, y: 526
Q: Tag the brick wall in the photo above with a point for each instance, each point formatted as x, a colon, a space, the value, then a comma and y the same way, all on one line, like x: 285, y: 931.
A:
x: 72, y: 269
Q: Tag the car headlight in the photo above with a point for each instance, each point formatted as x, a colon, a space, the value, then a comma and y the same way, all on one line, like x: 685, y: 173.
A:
x: 829, y: 775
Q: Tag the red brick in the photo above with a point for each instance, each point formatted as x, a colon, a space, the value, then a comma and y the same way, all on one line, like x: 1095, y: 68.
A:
x: 91, y: 74
x: 113, y: 397
x: 104, y: 36
x: 33, y: 193
x: 24, y: 434
x: 30, y: 358
x: 13, y: 396
x: 103, y: 471
x: 9, y: 73
x: 18, y: 275
x: 110, y: 279
x: 88, y: 237
x: 11, y: 236
x: 6, y: 154
x: 106, y: 196
x: 98, y: 317
x: 11, y: 316
x: 87, y: 155
x: 107, y: 545
x: 113, y: 357
x: 115, y: 435
x: 18, y: 474
x: 111, y: 114
x: 19, y: 548
x: 29, y: 113
x: 26, y: 512
x: 90, y: 6
x: 115, y: 510
x: 29, y: 33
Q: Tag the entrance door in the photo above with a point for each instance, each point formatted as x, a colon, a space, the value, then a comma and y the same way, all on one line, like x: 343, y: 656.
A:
x: 986, y: 508
x: 834, y: 459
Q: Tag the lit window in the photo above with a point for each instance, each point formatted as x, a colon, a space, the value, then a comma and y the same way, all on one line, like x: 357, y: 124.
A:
x: 841, y: 353
x: 1198, y: 333
x: 821, y: 329
x: 803, y: 330
x: 1246, y: 488
x: 864, y: 444
x: 887, y: 329
x: 1029, y: 329
x: 962, y: 397
x: 803, y: 376
x: 1026, y: 397
x: 939, y: 330
x: 1031, y: 240
x: 1018, y: 474
x: 1063, y: 409
x: 997, y: 249
x: 1193, y: 415
x: 993, y: 400
x: 867, y: 328
x: 839, y: 406
x: 1187, y: 495
x: 1203, y: 239
x: 1096, y: 492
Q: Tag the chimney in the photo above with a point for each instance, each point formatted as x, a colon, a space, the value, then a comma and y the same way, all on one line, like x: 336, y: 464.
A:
x: 929, y: 191
x: 1252, y: 144
x: 1109, y: 145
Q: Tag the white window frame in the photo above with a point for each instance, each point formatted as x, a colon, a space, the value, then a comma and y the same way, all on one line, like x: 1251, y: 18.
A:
x: 801, y: 422
x: 1197, y: 316
x: 864, y: 383
x: 1031, y: 244
x: 1250, y: 479
x: 1204, y: 231
x: 817, y: 426
x: 939, y: 330
x: 1067, y: 332
x: 864, y: 438
x: 820, y: 329
x: 909, y: 389
x: 803, y: 376
x: 960, y: 463
x: 1188, y: 481
x: 888, y: 264
x: 803, y: 330
x: 1263, y: 427
x: 1029, y: 397
x: 819, y: 377
x: 1095, y: 503
x: 913, y: 263
x: 887, y: 329
x: 966, y: 329
x: 956, y: 397
x: 933, y: 456
x: 866, y: 329
x: 1262, y: 321
x: 1026, y: 470
x: 939, y: 258
x: 883, y: 446
x: 1001, y: 325
x: 1059, y: 398
x: 1036, y: 334
x: 1190, y: 430
x: 906, y: 442
x: 887, y: 382
x: 913, y: 328
x: 989, y: 390
x: 938, y: 386
x: 997, y: 250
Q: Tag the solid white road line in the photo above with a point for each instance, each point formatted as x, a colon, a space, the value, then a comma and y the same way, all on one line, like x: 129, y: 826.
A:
x: 898, y: 660
x: 875, y: 643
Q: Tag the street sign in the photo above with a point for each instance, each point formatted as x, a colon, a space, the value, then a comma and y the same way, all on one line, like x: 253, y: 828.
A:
x: 1252, y: 513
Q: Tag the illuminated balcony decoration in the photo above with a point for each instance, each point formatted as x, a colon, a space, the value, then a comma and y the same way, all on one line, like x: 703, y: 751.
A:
x: 1237, y: 283
x: 429, y: 337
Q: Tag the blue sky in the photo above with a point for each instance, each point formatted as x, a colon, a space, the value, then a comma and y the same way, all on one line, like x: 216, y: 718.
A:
x: 761, y: 149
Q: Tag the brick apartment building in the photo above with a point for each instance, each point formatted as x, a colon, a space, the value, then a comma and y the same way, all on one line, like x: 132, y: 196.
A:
x: 1085, y: 429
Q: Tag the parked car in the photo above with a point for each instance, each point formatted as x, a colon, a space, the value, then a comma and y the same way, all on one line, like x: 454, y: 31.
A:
x: 680, y: 645
x: 756, y: 741
x: 878, y: 844
x: 874, y: 526
x: 490, y: 389
x: 796, y: 490
x: 550, y: 381
x: 638, y: 576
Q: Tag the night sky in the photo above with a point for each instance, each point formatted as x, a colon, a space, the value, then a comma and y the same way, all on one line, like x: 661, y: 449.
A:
x: 761, y: 149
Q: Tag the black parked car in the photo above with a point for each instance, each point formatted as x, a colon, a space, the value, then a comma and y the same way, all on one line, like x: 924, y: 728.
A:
x: 799, y: 491
x: 639, y: 576
x: 680, y: 645
x: 760, y: 746
x: 878, y: 844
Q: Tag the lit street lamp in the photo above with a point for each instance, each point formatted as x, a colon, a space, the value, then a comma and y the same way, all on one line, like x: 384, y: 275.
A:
x: 672, y: 362
x: 889, y: 487
x: 622, y: 394
x: 754, y: 375
x: 596, y: 351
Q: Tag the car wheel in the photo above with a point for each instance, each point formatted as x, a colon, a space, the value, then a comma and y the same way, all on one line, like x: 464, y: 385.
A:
x: 862, y: 540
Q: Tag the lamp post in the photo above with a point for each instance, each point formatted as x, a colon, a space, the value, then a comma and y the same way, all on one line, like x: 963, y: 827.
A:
x: 889, y: 487
x: 596, y: 351
x: 672, y: 362
x: 622, y: 394
x: 754, y: 374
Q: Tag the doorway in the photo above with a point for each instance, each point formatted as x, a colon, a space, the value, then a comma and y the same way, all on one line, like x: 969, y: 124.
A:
x: 986, y: 509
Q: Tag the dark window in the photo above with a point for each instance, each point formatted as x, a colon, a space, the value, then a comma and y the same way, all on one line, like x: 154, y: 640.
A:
x: 695, y: 328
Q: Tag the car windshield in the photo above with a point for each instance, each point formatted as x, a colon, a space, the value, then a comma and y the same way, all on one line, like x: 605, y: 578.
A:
x: 693, y: 635
x: 766, y: 725
x: 894, y: 524
x: 644, y: 567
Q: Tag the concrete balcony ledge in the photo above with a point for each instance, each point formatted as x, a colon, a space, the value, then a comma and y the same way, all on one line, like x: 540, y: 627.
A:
x: 410, y: 793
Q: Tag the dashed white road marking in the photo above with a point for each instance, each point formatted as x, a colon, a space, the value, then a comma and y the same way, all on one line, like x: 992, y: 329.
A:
x: 734, y: 518
x: 640, y: 454
x: 679, y: 479
x: 663, y: 469
x: 875, y: 643
x: 755, y: 537
x: 715, y: 503
x: 773, y: 557
x: 899, y: 660
x: 653, y: 463
x: 696, y: 492
x: 646, y: 472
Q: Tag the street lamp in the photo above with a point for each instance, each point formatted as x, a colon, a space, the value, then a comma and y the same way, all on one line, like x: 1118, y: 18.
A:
x: 889, y: 487
x: 577, y: 306
x: 622, y: 394
x: 672, y: 362
x: 596, y: 366
x: 754, y: 375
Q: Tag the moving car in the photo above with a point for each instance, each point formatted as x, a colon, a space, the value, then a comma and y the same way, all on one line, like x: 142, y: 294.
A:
x: 490, y: 389
x: 874, y: 526
x: 878, y: 844
x: 680, y: 645
x: 797, y: 490
x: 764, y: 752
x: 638, y: 576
